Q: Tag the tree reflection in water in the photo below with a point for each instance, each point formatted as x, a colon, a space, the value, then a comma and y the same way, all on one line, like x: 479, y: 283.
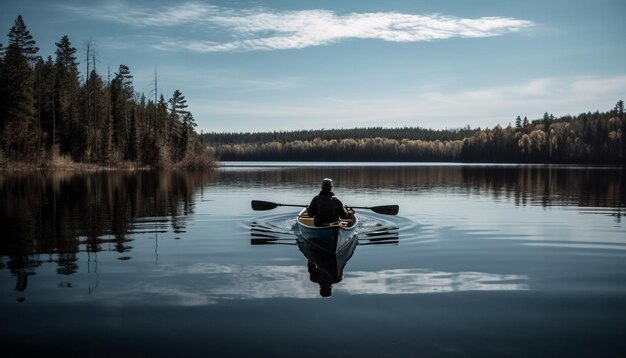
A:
x: 51, y: 217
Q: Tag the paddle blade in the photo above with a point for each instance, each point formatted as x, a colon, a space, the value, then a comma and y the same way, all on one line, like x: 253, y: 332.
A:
x: 386, y: 209
x: 263, y: 205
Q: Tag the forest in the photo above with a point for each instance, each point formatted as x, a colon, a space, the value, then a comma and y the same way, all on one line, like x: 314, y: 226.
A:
x: 590, y: 138
x: 52, y: 115
x: 399, y: 133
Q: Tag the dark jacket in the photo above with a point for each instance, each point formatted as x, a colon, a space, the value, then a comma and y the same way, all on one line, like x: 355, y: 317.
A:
x: 326, y: 208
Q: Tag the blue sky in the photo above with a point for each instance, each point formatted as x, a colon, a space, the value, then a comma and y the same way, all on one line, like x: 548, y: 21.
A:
x: 283, y: 65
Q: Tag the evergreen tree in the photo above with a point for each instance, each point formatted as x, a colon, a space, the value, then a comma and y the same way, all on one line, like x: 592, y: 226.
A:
x: 619, y: 108
x: 121, y: 96
x: 187, y: 127
x: 18, y: 104
x: 131, y: 150
x: 47, y: 99
x: 20, y: 37
x: 525, y: 124
x: 3, y: 93
x: 17, y: 112
x: 40, y: 101
x: 96, y: 93
x: 67, y: 131
x: 178, y: 109
x: 161, y: 119
x: 518, y: 124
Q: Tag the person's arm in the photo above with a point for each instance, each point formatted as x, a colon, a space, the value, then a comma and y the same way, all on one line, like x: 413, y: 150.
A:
x: 343, y: 213
x: 312, y: 208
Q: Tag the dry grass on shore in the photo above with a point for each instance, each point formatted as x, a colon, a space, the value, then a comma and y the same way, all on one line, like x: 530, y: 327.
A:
x: 65, y: 163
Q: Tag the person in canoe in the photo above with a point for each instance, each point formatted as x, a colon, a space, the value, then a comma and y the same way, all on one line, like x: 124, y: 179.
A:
x: 325, y: 207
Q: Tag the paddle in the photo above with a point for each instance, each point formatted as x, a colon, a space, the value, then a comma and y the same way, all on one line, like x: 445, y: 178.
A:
x: 383, y: 209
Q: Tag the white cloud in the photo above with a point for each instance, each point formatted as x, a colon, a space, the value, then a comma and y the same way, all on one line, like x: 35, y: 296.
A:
x: 124, y: 13
x: 217, y: 29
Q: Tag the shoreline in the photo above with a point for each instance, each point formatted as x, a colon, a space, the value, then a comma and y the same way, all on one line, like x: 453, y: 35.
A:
x: 17, y: 167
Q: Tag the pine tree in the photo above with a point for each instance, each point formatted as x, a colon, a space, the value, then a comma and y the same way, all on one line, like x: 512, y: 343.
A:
x: 66, y: 124
x: 178, y: 109
x: 20, y: 37
x: 518, y: 124
x: 619, y: 108
x: 47, y: 99
x: 187, y: 127
x: 95, y: 92
x: 2, y: 92
x: 17, y: 112
x: 525, y: 124
x: 161, y: 119
x: 121, y: 95
x: 131, y: 150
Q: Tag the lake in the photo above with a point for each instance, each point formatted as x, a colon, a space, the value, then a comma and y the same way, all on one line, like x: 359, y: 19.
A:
x: 482, y: 260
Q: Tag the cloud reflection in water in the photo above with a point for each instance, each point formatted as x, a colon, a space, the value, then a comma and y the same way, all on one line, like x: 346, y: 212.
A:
x: 203, y: 284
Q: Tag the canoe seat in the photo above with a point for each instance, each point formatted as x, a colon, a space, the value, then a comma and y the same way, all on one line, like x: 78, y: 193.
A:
x: 307, y: 221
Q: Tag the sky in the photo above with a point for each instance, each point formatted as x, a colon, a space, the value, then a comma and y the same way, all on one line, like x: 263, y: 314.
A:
x: 276, y: 65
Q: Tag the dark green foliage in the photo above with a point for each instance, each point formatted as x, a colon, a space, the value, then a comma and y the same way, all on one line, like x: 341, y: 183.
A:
x: 45, y: 83
x: 20, y: 134
x: 68, y: 132
x: 47, y: 109
x: 20, y: 37
x: 587, y: 138
x: 121, y: 96
x: 131, y: 150
x: 17, y: 80
x: 525, y: 124
x: 178, y: 110
x: 413, y: 133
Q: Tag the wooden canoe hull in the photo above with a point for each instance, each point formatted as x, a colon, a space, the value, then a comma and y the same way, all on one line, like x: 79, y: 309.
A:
x: 331, y: 238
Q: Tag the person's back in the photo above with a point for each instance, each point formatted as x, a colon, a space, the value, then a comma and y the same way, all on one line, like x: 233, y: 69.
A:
x: 325, y: 207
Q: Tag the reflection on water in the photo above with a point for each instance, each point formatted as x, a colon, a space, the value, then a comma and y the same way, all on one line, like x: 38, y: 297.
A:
x: 325, y: 268
x: 480, y: 261
x: 407, y: 281
x: 252, y: 282
x: 51, y: 217
x: 525, y: 184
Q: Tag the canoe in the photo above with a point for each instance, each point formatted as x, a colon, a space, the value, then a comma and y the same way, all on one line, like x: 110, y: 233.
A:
x: 330, y: 238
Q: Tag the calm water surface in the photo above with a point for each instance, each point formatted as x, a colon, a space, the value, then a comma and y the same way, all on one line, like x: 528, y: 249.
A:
x: 481, y: 261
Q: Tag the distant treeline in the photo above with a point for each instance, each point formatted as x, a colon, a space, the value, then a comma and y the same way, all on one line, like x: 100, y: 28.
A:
x: 411, y: 133
x: 50, y: 113
x: 594, y: 138
x: 586, y: 138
